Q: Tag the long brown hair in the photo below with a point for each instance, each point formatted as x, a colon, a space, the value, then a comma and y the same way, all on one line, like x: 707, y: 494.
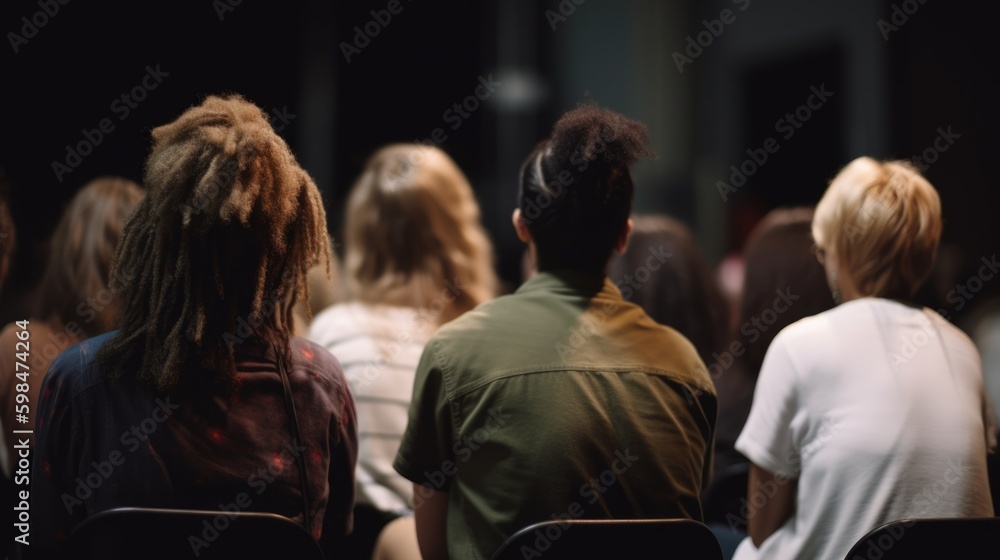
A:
x: 778, y: 256
x: 665, y: 272
x: 413, y: 236
x: 77, y: 285
x: 218, y: 251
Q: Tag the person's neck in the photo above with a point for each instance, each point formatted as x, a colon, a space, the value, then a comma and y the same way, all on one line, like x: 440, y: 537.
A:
x: 576, y: 272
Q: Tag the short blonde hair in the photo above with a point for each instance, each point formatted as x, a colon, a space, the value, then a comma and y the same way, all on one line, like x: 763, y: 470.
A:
x: 413, y: 236
x: 881, y: 221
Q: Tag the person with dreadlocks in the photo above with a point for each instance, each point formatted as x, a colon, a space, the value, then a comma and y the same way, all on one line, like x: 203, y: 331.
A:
x: 191, y: 403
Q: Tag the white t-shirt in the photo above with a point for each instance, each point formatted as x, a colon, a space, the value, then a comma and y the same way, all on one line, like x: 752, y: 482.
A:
x: 878, y: 410
x: 379, y: 348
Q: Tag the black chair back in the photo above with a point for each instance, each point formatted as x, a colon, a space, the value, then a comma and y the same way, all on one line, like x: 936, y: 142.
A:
x: 678, y: 539
x: 155, y: 534
x: 721, y: 501
x: 916, y: 539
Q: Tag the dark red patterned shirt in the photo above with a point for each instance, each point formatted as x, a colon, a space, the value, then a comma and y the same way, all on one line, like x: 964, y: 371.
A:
x: 101, y: 445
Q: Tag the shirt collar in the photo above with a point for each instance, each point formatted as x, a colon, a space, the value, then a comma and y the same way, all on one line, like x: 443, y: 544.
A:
x: 571, y: 282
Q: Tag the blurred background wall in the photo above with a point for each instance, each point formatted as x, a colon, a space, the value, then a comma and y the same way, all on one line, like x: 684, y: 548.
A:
x: 722, y: 85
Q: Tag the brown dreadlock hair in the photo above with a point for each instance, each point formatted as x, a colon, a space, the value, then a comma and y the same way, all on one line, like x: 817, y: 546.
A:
x: 218, y: 251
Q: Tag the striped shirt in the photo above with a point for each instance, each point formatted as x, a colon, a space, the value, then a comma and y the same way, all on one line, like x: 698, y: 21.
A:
x: 379, y: 348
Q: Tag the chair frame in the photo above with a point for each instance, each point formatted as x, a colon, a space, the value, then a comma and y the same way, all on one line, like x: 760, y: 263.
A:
x: 679, y: 539
x: 166, y: 528
x: 966, y: 538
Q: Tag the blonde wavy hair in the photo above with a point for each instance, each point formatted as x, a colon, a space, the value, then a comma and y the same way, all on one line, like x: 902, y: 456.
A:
x: 413, y: 236
x: 881, y: 222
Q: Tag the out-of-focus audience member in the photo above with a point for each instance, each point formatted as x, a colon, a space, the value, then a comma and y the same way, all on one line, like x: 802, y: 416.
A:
x: 8, y: 237
x: 416, y: 257
x: 982, y: 322
x: 782, y: 283
x: 78, y: 297
x: 521, y: 402
x: 325, y: 289
x: 665, y: 272
x: 233, y: 408
x: 863, y: 412
x: 8, y: 243
x: 985, y: 331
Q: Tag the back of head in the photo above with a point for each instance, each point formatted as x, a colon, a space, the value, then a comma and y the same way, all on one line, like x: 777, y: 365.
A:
x: 218, y: 251
x: 881, y: 222
x: 77, y: 285
x: 779, y: 260
x: 575, y: 191
x: 665, y: 273
x: 413, y: 236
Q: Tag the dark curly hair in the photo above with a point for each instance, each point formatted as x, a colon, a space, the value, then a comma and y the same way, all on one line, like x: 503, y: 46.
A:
x: 575, y: 191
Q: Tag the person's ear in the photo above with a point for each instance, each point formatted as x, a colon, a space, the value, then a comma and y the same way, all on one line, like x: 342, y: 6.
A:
x: 623, y: 238
x: 523, y: 233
